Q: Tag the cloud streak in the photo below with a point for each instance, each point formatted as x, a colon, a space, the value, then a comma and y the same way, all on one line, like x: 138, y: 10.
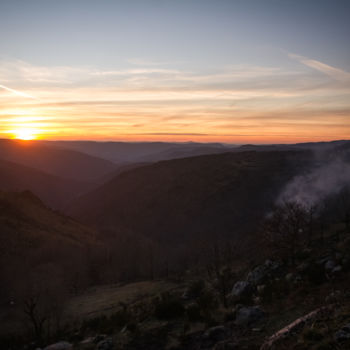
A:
x: 335, y: 73
x: 16, y: 92
x: 244, y: 102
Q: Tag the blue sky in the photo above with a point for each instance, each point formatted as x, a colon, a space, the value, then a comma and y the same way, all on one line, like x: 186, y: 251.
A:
x: 176, y: 67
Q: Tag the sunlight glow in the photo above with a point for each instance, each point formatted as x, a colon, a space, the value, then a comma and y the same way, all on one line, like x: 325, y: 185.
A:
x: 25, y: 134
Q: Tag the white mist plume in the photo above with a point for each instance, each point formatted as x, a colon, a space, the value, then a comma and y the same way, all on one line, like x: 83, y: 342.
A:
x: 313, y: 187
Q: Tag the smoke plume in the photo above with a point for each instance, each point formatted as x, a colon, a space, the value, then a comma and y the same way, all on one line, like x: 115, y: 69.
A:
x: 323, y: 180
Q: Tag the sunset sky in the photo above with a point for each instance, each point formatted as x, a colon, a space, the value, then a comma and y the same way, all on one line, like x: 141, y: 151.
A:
x: 240, y: 71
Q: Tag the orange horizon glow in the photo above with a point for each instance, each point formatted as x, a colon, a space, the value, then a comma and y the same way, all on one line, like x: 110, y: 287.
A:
x: 137, y: 105
x: 25, y: 134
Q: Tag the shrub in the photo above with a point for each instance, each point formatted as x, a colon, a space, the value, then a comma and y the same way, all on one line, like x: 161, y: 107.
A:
x: 196, y: 288
x: 168, y: 307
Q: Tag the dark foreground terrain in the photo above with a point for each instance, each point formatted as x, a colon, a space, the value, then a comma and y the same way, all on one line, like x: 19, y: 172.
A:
x: 204, y: 252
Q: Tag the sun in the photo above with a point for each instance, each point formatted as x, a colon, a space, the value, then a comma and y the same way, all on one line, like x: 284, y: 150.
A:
x: 25, y: 134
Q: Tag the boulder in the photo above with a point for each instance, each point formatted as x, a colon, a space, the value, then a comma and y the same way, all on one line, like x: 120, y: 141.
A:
x: 62, y: 345
x: 272, y: 265
x: 106, y: 344
x: 248, y: 315
x: 329, y: 265
x: 337, y: 269
x: 258, y: 275
x: 216, y: 334
x: 343, y: 333
x: 242, y: 289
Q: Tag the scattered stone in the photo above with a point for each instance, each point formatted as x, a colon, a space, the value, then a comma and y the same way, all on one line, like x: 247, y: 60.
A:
x: 289, y: 277
x: 337, y: 269
x: 323, y: 260
x: 106, y: 344
x: 248, y: 315
x: 258, y: 275
x: 329, y: 265
x: 99, y: 338
x: 343, y: 334
x: 88, y: 340
x: 302, y: 268
x: 272, y: 265
x: 62, y: 345
x: 225, y: 346
x: 216, y: 334
x: 242, y: 289
x: 297, y: 279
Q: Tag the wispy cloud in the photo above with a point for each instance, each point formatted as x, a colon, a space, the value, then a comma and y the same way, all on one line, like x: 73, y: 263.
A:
x: 333, y: 72
x: 16, y: 92
x: 248, y: 102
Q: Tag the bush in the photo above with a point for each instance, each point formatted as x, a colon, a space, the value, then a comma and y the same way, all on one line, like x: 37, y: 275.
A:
x: 196, y: 288
x: 168, y: 307
x: 312, y: 335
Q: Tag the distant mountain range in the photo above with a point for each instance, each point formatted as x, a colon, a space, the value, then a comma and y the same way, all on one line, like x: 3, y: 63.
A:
x: 124, y: 152
x: 64, y: 163
x: 213, y: 195
x: 56, y: 192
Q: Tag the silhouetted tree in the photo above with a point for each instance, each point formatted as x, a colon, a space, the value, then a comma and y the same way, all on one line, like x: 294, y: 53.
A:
x: 287, y: 229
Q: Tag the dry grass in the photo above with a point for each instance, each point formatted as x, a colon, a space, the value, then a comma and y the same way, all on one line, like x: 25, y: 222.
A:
x: 107, y: 299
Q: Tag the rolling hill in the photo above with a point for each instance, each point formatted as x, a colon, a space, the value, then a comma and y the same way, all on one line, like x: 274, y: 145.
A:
x: 189, y: 198
x: 59, y: 162
x: 56, y: 192
x: 125, y: 152
x: 26, y: 223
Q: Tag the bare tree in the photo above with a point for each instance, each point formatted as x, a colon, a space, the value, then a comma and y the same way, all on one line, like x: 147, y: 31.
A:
x: 287, y: 229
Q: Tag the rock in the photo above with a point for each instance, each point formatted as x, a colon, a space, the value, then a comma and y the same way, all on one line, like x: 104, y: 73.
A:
x: 225, y: 346
x: 88, y: 340
x: 258, y: 275
x: 62, y: 345
x: 343, y: 334
x: 248, y: 315
x: 297, y: 279
x: 302, y: 268
x: 242, y: 289
x: 289, y: 277
x: 257, y: 300
x: 216, y: 334
x: 272, y: 265
x: 106, y: 344
x: 99, y: 338
x: 337, y: 269
x: 329, y: 265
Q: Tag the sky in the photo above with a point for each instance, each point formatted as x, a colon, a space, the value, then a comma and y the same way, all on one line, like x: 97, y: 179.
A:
x: 235, y: 71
